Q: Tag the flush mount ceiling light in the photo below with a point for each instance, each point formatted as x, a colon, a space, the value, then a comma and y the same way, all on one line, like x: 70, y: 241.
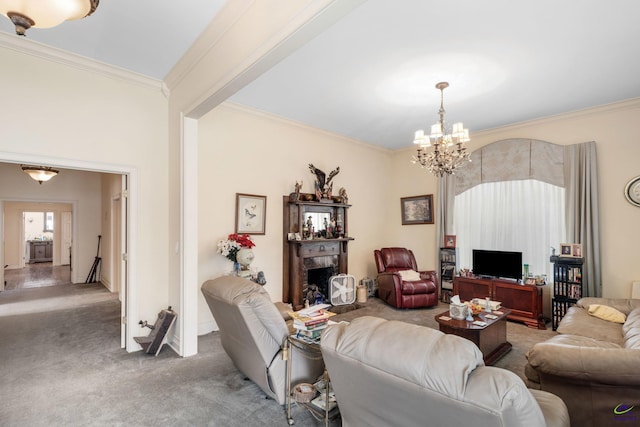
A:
x: 45, y: 14
x: 40, y: 173
x: 448, y: 151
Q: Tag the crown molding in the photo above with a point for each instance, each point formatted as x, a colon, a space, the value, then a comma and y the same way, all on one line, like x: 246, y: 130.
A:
x: 307, y: 128
x: 63, y: 57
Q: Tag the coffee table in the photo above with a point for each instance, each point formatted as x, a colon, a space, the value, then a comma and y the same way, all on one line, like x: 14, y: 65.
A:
x: 491, y: 339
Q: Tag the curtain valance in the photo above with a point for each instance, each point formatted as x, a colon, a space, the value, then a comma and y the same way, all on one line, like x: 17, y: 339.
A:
x: 512, y: 160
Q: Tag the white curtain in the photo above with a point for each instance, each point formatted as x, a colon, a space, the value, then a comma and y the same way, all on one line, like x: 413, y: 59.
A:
x: 525, y: 216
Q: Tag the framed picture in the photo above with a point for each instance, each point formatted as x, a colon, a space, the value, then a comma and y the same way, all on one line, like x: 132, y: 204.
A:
x: 566, y: 249
x: 251, y: 213
x: 576, y: 250
x: 417, y: 209
x: 449, y: 241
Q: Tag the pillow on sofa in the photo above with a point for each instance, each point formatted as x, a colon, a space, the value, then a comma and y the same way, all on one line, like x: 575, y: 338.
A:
x: 607, y: 313
x: 409, y: 275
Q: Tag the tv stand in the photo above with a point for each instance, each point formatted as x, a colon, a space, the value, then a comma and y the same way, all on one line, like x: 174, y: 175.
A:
x: 525, y: 301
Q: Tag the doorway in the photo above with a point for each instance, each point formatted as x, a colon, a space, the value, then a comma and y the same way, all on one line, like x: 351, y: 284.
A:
x: 78, y: 234
x: 36, y: 245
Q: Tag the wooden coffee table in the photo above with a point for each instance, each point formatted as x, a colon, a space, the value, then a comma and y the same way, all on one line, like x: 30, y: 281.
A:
x: 490, y: 339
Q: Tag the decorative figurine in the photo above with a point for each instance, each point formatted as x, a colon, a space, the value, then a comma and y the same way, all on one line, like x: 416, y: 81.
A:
x: 343, y: 194
x: 323, y: 184
x: 469, y: 317
x: 295, y: 196
x: 487, y: 306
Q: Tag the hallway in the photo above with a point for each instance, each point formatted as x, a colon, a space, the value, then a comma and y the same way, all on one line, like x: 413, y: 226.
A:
x: 37, y: 275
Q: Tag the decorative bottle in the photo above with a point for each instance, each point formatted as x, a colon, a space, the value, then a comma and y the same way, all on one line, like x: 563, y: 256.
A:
x: 487, y: 306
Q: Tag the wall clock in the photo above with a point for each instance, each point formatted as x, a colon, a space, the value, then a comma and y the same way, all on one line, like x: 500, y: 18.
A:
x: 632, y: 191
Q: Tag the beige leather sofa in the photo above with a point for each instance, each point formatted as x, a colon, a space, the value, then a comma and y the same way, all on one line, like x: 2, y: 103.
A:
x: 253, y: 331
x: 391, y: 373
x: 593, y: 364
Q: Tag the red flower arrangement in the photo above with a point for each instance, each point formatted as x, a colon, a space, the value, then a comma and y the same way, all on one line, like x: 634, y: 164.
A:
x: 230, y: 246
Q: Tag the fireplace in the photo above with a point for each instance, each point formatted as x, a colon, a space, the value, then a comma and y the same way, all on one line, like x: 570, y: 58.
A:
x: 316, y: 284
x: 310, y: 259
x: 311, y: 265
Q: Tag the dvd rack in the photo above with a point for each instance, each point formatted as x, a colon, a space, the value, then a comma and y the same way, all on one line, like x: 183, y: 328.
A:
x: 567, y: 286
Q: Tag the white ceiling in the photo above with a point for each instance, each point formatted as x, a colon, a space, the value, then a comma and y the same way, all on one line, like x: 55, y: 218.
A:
x: 372, y: 75
x: 144, y: 36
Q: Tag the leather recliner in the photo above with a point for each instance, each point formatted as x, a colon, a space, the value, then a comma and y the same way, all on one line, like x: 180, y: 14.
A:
x: 253, y: 332
x: 391, y: 373
x: 408, y: 292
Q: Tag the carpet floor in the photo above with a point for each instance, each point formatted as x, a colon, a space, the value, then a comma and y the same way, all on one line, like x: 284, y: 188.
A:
x: 65, y: 367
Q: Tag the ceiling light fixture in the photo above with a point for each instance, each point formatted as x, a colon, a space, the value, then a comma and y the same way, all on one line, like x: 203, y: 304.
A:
x: 40, y: 173
x: 45, y: 14
x: 449, y: 151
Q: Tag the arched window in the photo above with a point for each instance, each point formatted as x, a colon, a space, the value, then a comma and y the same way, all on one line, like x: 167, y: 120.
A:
x: 528, y: 196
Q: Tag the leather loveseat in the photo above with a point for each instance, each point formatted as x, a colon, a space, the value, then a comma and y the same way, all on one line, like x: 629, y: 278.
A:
x: 592, y: 364
x: 391, y: 373
x: 400, y: 284
x: 253, y: 332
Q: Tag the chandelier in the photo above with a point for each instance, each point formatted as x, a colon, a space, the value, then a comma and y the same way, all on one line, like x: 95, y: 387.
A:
x: 45, y: 14
x: 448, y: 151
x: 40, y: 173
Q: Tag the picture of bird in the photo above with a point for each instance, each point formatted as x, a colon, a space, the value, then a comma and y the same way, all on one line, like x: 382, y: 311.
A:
x: 249, y: 214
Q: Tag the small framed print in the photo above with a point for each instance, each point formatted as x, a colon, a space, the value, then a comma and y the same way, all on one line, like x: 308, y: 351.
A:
x: 576, y: 250
x: 566, y: 249
x: 251, y: 213
x: 449, y: 241
x: 417, y: 209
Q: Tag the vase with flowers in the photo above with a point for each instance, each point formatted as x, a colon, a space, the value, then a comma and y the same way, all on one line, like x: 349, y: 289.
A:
x: 233, y: 244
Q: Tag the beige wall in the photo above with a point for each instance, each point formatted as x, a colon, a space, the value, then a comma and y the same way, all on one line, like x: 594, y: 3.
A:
x: 52, y: 110
x: 614, y: 128
x: 241, y: 151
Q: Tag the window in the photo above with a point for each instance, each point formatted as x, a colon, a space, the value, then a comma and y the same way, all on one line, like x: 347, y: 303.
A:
x: 48, y: 221
x: 525, y: 216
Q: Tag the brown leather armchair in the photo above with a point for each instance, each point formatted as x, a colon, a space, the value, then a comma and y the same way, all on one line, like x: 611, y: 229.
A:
x: 412, y: 292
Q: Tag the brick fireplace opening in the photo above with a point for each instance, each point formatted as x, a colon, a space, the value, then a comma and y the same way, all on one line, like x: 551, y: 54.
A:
x: 317, y: 270
x: 316, y: 284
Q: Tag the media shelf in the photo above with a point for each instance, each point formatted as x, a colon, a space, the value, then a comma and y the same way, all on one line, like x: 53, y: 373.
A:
x: 525, y: 301
x: 567, y: 286
x: 448, y: 269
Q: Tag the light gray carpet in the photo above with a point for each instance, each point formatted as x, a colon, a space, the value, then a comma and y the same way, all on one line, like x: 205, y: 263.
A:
x: 65, y: 367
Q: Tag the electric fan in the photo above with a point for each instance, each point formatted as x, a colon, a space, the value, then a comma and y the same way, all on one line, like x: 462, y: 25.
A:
x: 342, y: 289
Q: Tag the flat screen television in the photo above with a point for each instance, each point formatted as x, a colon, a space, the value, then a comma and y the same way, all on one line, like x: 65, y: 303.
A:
x: 497, y: 264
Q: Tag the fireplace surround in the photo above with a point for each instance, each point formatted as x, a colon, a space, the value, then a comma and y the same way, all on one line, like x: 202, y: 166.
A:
x: 310, y: 258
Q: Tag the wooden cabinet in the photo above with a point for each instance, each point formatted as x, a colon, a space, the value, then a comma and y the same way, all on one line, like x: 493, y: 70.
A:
x: 316, y: 241
x: 525, y: 301
x: 567, y: 286
x: 40, y: 251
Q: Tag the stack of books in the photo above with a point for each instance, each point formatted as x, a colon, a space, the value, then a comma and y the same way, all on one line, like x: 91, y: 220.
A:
x: 310, y: 322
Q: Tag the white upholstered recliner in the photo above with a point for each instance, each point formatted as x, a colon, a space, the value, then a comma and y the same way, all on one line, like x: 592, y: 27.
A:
x: 391, y: 373
x: 252, y: 332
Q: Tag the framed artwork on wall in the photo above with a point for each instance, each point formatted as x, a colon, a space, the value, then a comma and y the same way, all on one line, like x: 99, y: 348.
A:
x: 449, y: 241
x: 251, y: 213
x: 417, y: 209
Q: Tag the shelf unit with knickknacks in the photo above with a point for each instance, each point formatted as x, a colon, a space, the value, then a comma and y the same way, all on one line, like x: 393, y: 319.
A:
x: 567, y: 286
x: 448, y: 268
